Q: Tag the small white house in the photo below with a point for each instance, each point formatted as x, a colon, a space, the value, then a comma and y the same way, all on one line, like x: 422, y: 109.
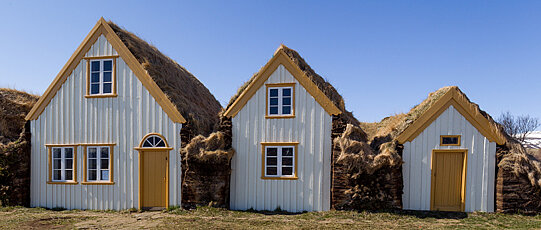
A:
x: 450, y: 156
x: 106, y: 133
x: 281, y: 123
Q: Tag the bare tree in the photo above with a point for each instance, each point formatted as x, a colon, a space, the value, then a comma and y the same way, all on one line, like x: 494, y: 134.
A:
x: 519, y: 126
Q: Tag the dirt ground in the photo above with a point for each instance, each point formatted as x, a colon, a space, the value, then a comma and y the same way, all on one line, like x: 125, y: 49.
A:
x: 214, y: 218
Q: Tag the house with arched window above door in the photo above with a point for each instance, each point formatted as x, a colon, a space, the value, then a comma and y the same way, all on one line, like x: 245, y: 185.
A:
x: 106, y: 133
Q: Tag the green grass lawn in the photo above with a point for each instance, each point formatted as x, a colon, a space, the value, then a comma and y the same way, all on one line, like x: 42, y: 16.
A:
x: 205, y: 218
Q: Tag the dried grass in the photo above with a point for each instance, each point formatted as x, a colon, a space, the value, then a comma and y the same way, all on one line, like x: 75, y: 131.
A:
x: 360, y: 157
x: 206, y: 165
x: 192, y: 99
x: 209, y: 150
x: 514, y: 158
x: 14, y: 105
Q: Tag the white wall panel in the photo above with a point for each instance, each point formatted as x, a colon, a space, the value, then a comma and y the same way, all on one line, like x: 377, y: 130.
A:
x: 70, y: 118
x: 311, y: 127
x: 480, y: 173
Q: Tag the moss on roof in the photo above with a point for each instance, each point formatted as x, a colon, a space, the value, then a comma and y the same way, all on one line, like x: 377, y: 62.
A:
x: 191, y: 98
x: 393, y: 126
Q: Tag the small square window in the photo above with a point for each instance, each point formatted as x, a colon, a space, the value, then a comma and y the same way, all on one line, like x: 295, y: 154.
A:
x: 450, y: 140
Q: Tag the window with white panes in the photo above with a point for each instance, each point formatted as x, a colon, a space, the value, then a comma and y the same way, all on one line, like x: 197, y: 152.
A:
x: 101, y: 77
x: 280, y: 101
x: 63, y: 164
x: 98, y: 163
x: 279, y: 161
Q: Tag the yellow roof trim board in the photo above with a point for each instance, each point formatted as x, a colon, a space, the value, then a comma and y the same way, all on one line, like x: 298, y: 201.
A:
x: 281, y: 58
x: 463, y: 106
x: 102, y: 28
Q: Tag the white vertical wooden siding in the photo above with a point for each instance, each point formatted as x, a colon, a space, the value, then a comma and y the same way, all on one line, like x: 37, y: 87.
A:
x: 481, y: 163
x: 70, y: 118
x: 311, y: 127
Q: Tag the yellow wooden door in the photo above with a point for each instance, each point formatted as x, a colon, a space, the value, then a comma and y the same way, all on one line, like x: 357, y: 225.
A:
x: 154, y: 179
x: 448, y: 177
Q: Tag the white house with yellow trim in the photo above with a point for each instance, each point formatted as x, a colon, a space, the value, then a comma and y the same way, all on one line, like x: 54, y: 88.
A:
x: 281, y: 123
x: 106, y: 133
x: 450, y: 155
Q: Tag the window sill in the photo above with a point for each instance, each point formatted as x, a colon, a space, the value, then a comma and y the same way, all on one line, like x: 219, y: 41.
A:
x: 63, y: 182
x: 279, y: 117
x: 279, y: 178
x: 98, y: 183
x: 101, y: 95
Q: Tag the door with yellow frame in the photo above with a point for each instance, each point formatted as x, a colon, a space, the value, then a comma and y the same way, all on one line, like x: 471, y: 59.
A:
x: 153, y: 172
x: 448, y: 180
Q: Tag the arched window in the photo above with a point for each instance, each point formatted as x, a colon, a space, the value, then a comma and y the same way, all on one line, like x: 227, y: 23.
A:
x: 154, y: 140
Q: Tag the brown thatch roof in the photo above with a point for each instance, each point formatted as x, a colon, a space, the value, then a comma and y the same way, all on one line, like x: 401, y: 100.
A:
x: 321, y: 83
x: 14, y: 105
x: 395, y: 125
x: 191, y: 98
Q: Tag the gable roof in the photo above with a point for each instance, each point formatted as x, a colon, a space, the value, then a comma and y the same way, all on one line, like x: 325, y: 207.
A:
x: 176, y: 90
x: 324, y: 93
x: 422, y: 115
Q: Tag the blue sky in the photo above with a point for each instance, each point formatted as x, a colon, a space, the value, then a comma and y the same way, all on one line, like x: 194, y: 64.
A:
x: 384, y: 57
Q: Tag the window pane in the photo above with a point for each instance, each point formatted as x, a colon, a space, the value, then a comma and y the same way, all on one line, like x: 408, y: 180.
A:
x: 56, y: 164
x: 107, y: 77
x: 274, y: 101
x: 287, y: 151
x: 272, y: 161
x: 160, y: 143
x: 273, y: 92
x: 95, y: 77
x: 272, y: 151
x: 287, y: 161
x: 104, y: 175
x: 147, y: 143
x: 286, y: 92
x: 272, y: 171
x: 104, y: 152
x: 69, y: 174
x: 104, y: 164
x: 92, y: 175
x: 107, y: 87
x: 287, y: 171
x: 92, y: 152
x: 57, y: 152
x: 94, y: 88
x: 68, y: 152
x: 57, y: 175
x: 68, y: 164
x: 286, y: 109
x: 95, y: 66
x: 153, y: 140
x: 273, y: 110
x: 107, y: 65
x: 286, y: 101
x: 92, y: 164
x: 449, y: 140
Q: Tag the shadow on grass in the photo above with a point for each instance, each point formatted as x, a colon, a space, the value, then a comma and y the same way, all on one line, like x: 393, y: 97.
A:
x: 424, y: 214
x: 277, y: 211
